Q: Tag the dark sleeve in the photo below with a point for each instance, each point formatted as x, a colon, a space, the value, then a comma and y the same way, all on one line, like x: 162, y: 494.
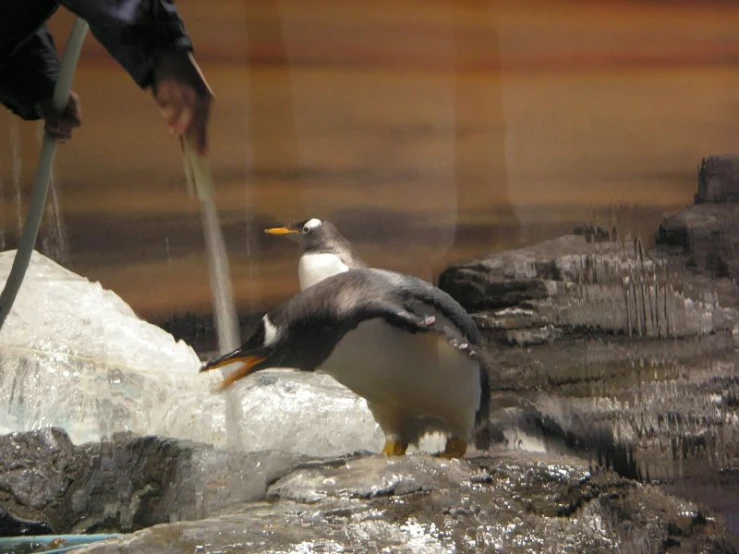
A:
x: 29, y: 76
x: 134, y: 32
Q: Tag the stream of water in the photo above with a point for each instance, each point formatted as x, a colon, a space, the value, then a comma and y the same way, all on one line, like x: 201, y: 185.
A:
x: 224, y: 310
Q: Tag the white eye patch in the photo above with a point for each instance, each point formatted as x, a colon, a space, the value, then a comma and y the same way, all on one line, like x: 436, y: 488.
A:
x: 312, y: 224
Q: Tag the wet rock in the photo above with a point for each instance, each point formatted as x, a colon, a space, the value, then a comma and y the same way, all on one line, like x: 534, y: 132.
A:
x: 421, y: 504
x: 306, y: 413
x: 14, y: 526
x: 707, y: 233
x: 186, y: 497
x: 584, y: 288
x: 718, y: 179
x: 659, y: 422
x: 36, y: 472
x: 624, y: 356
x: 595, y: 233
x: 126, y: 483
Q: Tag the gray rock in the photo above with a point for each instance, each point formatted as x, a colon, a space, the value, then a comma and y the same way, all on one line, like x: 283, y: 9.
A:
x: 649, y: 419
x: 420, y: 504
x: 127, y: 483
x: 707, y: 233
x: 37, y: 471
x: 586, y: 288
x: 618, y: 354
x: 14, y: 526
x: 595, y: 233
x: 718, y: 179
x: 707, y: 236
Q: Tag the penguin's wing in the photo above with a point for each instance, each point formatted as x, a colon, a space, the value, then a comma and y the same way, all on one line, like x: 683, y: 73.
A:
x: 394, y: 313
x: 455, y: 325
x: 359, y: 295
x: 413, y: 317
x: 421, y: 297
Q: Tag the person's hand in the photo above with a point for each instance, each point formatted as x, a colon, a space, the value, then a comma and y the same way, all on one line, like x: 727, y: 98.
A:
x: 183, y: 96
x: 59, y: 126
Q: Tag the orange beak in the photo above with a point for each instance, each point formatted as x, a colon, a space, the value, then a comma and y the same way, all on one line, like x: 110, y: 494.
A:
x: 249, y: 364
x: 281, y: 231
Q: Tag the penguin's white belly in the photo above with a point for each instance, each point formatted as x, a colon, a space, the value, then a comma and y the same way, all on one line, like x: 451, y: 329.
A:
x: 313, y: 268
x: 419, y: 374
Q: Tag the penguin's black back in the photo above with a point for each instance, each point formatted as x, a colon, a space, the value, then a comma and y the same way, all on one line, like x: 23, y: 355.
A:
x: 340, y: 301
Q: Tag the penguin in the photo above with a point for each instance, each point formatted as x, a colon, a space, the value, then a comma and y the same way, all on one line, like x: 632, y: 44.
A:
x: 405, y: 346
x: 325, y: 251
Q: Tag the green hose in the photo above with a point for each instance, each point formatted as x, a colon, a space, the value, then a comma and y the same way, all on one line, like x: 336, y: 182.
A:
x: 43, y: 172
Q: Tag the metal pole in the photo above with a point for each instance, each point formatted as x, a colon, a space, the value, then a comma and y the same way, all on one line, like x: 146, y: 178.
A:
x: 43, y: 172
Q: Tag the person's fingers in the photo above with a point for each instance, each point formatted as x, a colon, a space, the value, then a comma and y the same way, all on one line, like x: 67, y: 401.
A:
x: 170, y: 100
x: 184, y: 109
x: 72, y: 114
x: 70, y: 121
x: 198, y: 108
x: 59, y: 135
x: 163, y: 93
x: 184, y: 120
x: 170, y: 114
x: 67, y: 123
x: 58, y: 131
x: 59, y: 126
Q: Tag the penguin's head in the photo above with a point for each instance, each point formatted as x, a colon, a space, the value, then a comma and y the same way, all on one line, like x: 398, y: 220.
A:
x: 300, y: 345
x: 310, y: 234
x: 262, y: 350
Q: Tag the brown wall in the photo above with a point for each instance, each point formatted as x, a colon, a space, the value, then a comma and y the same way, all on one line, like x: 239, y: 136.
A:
x: 428, y: 131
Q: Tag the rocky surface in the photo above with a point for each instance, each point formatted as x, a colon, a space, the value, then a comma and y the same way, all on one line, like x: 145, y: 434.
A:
x: 718, y: 179
x: 659, y: 420
x: 624, y: 355
x: 707, y: 236
x: 501, y: 502
x: 573, y: 285
x: 124, y: 484
x: 610, y: 354
x: 14, y: 526
x: 178, y: 496
x: 707, y: 233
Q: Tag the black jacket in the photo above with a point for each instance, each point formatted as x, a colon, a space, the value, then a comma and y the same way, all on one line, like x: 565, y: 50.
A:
x: 134, y: 32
